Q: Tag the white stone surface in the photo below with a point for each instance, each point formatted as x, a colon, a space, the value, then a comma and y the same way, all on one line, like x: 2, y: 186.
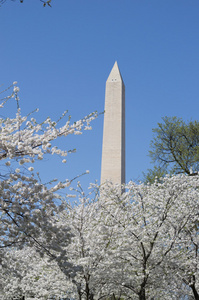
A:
x: 113, y: 149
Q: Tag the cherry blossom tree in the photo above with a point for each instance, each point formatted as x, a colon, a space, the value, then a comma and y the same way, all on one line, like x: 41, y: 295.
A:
x: 27, y: 206
x: 140, y: 244
x: 127, y: 243
x: 89, y: 244
x: 24, y: 273
x: 155, y: 228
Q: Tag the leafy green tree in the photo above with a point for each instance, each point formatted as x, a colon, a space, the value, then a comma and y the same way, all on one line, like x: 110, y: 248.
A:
x: 174, y: 148
x: 154, y: 174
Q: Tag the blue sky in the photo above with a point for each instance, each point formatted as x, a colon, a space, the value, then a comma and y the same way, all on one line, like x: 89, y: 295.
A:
x: 62, y: 56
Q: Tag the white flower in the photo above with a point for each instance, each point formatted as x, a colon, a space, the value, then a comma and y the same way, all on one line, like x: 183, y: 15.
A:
x: 14, y: 82
x: 17, y: 170
x: 16, y: 89
x: 30, y: 169
x: 64, y: 161
x: 87, y: 171
x: 88, y: 128
x: 8, y: 163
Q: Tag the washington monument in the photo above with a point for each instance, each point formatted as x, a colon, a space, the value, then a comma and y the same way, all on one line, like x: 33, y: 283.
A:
x: 113, y: 149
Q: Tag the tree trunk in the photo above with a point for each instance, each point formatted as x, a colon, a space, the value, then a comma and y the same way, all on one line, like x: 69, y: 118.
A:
x: 79, y: 294
x: 193, y: 287
x: 87, y: 291
x: 196, y: 296
x: 142, y: 295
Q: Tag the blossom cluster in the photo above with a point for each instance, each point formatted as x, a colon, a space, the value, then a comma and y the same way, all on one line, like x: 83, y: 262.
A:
x: 139, y: 244
x: 27, y: 206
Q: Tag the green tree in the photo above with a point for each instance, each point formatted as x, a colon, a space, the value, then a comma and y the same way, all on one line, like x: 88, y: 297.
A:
x: 154, y: 174
x: 174, y: 148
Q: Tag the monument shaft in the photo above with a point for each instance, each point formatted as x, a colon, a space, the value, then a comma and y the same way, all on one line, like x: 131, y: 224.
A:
x: 113, y: 149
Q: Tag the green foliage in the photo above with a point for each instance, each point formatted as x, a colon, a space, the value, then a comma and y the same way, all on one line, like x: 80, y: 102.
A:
x: 175, y: 147
x: 154, y: 174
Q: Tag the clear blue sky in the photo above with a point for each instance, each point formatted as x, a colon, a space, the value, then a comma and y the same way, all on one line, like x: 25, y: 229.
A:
x: 62, y: 56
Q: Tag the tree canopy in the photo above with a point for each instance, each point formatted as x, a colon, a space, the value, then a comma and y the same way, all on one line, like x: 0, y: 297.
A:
x: 142, y: 244
x: 27, y: 206
x: 101, y: 244
x: 174, y: 148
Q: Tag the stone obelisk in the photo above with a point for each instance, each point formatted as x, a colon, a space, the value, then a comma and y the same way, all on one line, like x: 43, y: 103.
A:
x: 113, y: 149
